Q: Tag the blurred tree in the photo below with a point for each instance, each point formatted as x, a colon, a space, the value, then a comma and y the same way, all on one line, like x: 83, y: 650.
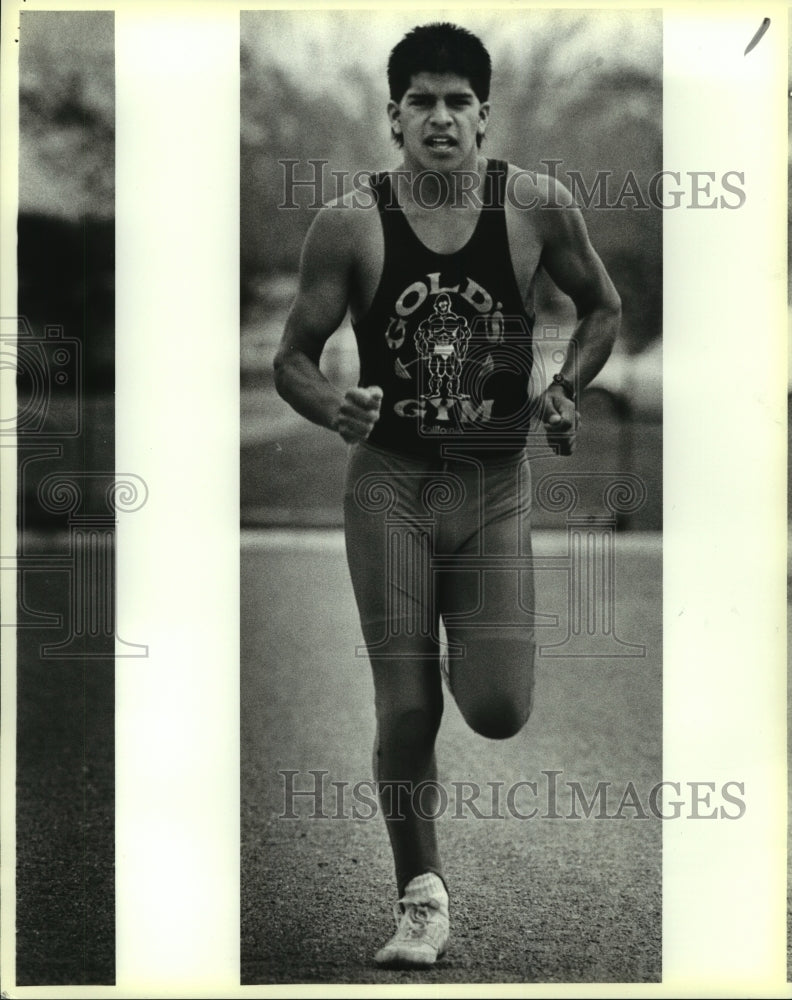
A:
x: 65, y: 229
x: 67, y: 114
x: 284, y: 122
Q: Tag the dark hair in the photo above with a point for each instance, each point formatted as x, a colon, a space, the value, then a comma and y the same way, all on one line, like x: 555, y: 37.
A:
x: 439, y: 48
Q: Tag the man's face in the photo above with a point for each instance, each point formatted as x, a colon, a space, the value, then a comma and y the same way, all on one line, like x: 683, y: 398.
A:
x: 439, y: 117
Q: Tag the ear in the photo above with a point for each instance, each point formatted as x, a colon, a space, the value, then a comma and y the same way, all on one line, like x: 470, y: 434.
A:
x: 484, y: 113
x: 393, y: 116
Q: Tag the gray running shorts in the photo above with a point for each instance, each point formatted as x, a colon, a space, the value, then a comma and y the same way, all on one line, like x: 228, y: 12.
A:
x: 440, y: 540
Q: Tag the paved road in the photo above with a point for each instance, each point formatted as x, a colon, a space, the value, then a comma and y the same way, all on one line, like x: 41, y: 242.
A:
x: 533, y: 899
x: 65, y: 880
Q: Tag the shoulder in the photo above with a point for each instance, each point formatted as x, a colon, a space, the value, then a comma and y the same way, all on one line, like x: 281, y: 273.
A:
x: 550, y: 205
x: 340, y: 224
x: 532, y: 189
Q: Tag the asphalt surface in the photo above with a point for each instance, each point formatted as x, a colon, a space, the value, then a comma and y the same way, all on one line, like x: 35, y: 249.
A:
x: 65, y: 815
x: 533, y: 900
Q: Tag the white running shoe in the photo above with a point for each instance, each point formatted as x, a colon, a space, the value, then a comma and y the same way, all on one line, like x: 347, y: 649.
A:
x: 421, y: 925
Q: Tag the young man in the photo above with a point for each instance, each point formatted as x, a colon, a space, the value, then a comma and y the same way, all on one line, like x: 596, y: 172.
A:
x: 437, y: 268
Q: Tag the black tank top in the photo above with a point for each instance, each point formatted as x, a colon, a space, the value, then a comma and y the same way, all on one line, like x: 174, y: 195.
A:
x: 448, y: 338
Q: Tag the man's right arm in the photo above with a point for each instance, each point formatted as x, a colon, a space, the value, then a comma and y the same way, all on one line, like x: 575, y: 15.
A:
x: 318, y: 310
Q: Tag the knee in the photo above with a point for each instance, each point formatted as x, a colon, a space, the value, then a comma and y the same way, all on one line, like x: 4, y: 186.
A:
x: 499, y: 715
x: 498, y: 718
x: 494, y: 686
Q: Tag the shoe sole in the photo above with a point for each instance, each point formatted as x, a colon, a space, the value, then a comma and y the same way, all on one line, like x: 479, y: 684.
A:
x: 405, y: 963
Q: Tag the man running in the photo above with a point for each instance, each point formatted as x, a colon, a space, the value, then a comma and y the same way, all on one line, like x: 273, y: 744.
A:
x: 437, y: 268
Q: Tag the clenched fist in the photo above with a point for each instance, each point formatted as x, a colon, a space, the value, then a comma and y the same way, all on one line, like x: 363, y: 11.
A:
x: 358, y: 413
x: 561, y: 422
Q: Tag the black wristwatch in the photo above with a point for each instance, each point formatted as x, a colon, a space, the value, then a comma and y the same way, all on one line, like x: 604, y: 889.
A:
x: 566, y: 385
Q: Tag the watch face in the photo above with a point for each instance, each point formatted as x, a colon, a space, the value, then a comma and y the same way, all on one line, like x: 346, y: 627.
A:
x: 565, y: 384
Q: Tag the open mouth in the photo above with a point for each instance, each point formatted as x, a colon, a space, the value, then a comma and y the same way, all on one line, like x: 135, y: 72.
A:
x: 441, y: 142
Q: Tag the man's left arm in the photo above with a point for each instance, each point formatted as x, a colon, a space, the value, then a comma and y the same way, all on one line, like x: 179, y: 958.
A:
x: 574, y: 266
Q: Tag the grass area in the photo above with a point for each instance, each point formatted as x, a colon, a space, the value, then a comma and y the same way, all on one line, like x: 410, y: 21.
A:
x: 296, y: 477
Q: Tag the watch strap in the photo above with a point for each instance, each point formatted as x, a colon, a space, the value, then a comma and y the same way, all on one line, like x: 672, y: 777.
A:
x: 566, y: 385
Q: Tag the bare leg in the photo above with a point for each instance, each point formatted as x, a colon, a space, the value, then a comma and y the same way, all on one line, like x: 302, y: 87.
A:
x: 409, y: 706
x: 389, y: 548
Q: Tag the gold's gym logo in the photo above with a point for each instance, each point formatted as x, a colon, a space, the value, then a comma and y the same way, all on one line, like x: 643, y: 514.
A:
x: 440, y: 341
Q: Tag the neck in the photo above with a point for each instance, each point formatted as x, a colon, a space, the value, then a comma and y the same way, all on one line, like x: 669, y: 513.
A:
x: 455, y: 188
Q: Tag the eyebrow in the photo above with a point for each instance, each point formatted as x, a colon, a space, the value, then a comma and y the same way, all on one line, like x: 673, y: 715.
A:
x: 453, y: 96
